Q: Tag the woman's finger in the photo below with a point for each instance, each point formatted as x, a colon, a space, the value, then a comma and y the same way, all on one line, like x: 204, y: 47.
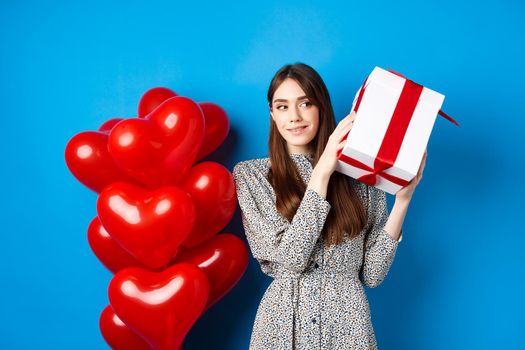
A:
x: 344, y: 126
x: 348, y: 127
x: 343, y: 122
x: 351, y: 116
x: 348, y: 119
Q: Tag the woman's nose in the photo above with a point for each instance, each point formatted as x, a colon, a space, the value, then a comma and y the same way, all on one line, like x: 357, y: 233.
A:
x: 295, y: 115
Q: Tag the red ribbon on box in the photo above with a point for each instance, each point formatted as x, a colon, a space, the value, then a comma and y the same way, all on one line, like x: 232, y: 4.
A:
x: 394, y: 135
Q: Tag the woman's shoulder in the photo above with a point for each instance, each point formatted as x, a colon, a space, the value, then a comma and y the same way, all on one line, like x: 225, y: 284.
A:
x: 251, y: 181
x: 252, y: 166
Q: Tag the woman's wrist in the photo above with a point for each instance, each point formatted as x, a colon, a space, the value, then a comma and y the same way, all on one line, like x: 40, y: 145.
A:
x: 396, y: 218
x: 319, y: 181
x: 404, y: 201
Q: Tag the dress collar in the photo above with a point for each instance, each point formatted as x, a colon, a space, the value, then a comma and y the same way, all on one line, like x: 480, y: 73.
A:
x: 305, y: 155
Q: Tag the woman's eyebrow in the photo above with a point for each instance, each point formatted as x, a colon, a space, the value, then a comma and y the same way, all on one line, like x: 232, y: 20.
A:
x: 284, y: 100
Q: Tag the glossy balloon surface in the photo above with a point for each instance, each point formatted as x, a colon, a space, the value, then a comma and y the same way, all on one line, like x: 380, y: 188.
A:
x: 152, y: 99
x: 224, y: 259
x: 217, y: 127
x: 150, y: 225
x: 160, y: 148
x: 160, y: 306
x: 117, y: 334
x: 88, y: 158
x: 213, y: 192
x: 109, y: 252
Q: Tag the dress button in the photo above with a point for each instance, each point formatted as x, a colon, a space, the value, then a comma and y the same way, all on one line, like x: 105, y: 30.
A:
x: 316, y: 265
x: 314, y: 320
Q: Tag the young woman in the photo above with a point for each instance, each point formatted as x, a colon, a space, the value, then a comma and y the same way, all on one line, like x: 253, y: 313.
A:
x: 320, y: 234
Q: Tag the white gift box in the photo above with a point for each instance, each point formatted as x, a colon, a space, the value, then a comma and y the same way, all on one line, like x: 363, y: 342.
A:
x: 393, y: 123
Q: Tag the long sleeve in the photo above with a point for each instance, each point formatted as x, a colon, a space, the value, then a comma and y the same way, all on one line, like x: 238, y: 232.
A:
x: 379, y: 247
x: 278, y: 241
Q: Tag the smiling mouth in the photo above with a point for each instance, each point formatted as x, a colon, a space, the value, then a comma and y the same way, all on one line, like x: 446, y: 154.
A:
x: 297, y: 128
x: 300, y: 130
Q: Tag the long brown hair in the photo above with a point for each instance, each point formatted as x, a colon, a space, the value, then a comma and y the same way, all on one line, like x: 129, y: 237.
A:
x: 347, y: 212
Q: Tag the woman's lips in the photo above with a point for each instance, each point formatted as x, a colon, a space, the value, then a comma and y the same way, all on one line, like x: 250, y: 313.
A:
x: 298, y: 130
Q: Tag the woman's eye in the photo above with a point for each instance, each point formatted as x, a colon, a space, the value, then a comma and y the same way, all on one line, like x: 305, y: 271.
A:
x: 306, y: 103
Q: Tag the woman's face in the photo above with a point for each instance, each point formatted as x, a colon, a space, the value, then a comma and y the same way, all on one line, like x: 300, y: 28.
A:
x: 296, y: 118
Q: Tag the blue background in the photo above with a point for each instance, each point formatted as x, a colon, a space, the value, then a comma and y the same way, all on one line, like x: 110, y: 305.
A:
x: 65, y: 67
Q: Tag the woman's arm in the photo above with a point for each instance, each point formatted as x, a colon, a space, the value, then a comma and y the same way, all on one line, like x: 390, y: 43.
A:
x: 319, y: 182
x: 379, y: 246
x: 395, y: 220
x: 403, y: 197
x: 273, y: 240
x: 386, y: 230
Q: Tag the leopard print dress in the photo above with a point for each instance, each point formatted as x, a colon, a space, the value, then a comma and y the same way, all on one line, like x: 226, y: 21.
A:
x: 316, y: 299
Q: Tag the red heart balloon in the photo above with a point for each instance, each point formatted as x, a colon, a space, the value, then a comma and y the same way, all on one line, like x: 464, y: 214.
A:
x: 224, y: 259
x: 153, y: 98
x: 217, y: 128
x: 109, y: 252
x: 212, y: 189
x: 159, y: 149
x: 88, y: 159
x: 117, y: 334
x: 150, y: 225
x: 160, y: 306
x: 216, y: 119
x: 109, y: 124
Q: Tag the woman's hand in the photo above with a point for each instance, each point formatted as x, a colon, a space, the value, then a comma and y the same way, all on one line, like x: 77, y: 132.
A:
x: 328, y: 159
x: 405, y: 194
